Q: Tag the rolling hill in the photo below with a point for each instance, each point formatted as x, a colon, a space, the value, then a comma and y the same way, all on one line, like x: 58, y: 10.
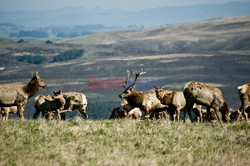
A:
x: 214, y: 51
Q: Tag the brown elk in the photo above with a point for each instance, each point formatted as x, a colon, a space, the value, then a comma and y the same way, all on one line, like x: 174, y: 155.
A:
x: 244, y: 93
x: 18, y: 94
x: 146, y: 101
x: 73, y: 101
x: 209, y: 96
x: 49, y: 104
x: 175, y: 101
x: 5, y: 111
x: 118, y: 113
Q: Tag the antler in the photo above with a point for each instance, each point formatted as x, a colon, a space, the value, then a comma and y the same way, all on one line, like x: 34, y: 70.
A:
x: 137, y: 74
x: 127, y: 78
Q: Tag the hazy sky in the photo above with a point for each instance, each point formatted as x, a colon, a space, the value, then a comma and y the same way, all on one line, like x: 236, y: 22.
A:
x: 6, y: 5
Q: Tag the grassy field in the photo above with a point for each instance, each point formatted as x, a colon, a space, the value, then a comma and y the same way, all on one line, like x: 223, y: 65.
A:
x: 122, y: 142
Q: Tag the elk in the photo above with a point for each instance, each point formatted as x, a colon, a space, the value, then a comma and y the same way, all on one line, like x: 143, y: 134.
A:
x: 209, y: 96
x: 244, y: 94
x: 146, y: 101
x: 18, y: 94
x: 235, y: 115
x: 118, y: 113
x: 73, y: 100
x: 76, y: 100
x: 173, y: 99
x: 176, y: 102
x: 49, y: 104
x: 132, y: 113
x: 6, y: 110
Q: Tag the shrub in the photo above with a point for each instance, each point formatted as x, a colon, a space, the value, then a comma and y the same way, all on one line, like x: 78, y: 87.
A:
x: 68, y: 55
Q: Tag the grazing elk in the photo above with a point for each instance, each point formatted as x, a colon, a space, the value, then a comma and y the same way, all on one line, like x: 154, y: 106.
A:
x: 135, y: 113
x: 209, y: 96
x: 6, y: 110
x: 146, y: 101
x: 76, y: 100
x: 234, y: 115
x: 132, y: 113
x: 49, y: 104
x: 175, y: 101
x: 18, y: 94
x: 118, y: 113
x: 244, y: 93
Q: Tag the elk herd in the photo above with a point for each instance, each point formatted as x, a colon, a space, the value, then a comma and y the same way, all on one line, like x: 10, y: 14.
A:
x: 157, y: 104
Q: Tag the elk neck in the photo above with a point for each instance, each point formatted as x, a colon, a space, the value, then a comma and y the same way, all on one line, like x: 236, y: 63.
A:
x: 168, y: 97
x: 32, y: 88
x: 135, y: 97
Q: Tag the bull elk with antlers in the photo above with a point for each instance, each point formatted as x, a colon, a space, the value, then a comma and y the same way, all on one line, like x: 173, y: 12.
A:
x: 146, y: 101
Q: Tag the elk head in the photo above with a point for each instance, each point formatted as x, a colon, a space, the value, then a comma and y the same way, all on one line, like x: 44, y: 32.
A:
x: 159, y: 92
x: 38, y: 80
x: 130, y: 88
x: 165, y: 96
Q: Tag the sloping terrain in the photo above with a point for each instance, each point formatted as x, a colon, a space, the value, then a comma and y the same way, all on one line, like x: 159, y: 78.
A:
x: 214, y: 51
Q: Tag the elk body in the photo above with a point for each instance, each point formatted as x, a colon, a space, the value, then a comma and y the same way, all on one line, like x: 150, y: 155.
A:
x: 146, y: 101
x: 244, y: 93
x: 206, y: 95
x: 18, y: 94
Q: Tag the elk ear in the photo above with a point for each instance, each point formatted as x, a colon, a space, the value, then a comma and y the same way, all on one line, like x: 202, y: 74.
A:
x: 34, y: 74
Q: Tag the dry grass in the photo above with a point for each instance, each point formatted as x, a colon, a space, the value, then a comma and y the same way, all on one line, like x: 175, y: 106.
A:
x: 122, y: 142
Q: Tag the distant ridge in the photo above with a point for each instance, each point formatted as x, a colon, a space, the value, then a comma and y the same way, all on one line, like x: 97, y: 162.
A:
x: 117, y: 17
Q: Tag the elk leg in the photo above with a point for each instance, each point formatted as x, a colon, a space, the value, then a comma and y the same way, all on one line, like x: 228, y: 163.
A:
x: 36, y: 114
x: 177, y: 114
x: 188, y: 108
x: 6, y: 115
x: 83, y: 112
x: 58, y: 115
x: 20, y: 110
x: 217, y: 116
x: 245, y: 115
x: 63, y: 116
